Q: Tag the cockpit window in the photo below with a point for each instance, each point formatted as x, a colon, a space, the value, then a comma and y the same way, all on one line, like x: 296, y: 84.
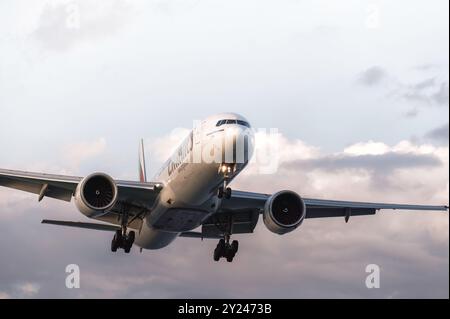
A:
x: 240, y: 122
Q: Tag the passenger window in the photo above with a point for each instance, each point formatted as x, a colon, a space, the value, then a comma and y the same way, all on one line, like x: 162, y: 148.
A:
x: 231, y: 121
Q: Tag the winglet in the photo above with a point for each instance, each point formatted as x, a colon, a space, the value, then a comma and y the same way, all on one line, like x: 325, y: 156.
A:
x: 142, y: 169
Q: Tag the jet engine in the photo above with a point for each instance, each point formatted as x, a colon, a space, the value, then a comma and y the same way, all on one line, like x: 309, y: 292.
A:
x: 284, y: 212
x: 96, y: 194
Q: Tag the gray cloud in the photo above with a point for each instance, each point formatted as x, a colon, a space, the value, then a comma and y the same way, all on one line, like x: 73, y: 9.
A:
x: 441, y: 95
x: 428, y: 92
x: 372, y: 76
x: 427, y: 83
x: 306, y: 264
x: 412, y: 113
x: 380, y: 167
x: 385, y: 163
x: 427, y: 67
x: 439, y: 134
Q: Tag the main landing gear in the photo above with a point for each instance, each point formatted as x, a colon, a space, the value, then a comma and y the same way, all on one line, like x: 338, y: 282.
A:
x: 224, y: 247
x: 121, y: 239
x: 226, y: 250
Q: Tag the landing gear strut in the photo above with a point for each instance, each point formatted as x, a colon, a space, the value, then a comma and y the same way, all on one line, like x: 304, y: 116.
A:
x: 121, y: 239
x: 226, y: 170
x: 224, y: 247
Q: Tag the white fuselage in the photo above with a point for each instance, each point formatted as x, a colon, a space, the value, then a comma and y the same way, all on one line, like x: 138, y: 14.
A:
x: 192, y: 176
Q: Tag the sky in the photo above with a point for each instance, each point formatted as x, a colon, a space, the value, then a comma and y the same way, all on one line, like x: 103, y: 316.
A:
x: 358, y: 90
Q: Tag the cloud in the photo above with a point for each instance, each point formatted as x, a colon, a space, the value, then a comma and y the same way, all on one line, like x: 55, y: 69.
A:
x: 385, y: 163
x: 174, y: 6
x: 376, y: 169
x: 163, y: 147
x: 64, y: 24
x: 4, y: 295
x: 441, y: 95
x: 428, y: 92
x: 412, y: 113
x: 425, y: 84
x: 372, y: 76
x: 75, y: 154
x: 28, y: 289
x: 371, y: 168
x: 21, y: 290
x: 367, y: 148
x: 427, y: 67
x: 439, y: 134
x: 323, y: 258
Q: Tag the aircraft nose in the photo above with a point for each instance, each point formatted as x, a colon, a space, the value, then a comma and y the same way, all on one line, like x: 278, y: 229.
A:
x: 239, y: 143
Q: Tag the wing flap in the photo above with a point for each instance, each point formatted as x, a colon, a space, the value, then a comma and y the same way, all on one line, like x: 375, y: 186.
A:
x: 243, y: 221
x: 323, y: 212
x: 94, y: 226
x: 191, y: 234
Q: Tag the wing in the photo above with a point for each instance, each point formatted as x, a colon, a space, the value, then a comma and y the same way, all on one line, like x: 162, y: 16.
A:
x: 55, y: 186
x: 317, y: 208
x: 139, y: 196
x: 245, y: 207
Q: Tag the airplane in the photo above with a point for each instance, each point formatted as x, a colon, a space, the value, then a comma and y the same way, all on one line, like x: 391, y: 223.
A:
x: 191, y: 191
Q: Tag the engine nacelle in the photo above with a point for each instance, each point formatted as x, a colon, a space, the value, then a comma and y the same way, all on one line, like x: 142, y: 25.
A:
x: 284, y: 212
x: 96, y: 194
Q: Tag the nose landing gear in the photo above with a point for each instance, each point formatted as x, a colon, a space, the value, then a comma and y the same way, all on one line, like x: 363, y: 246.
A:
x: 224, y: 192
x: 227, y: 170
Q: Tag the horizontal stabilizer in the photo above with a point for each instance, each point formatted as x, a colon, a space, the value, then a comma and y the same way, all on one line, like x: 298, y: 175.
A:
x: 95, y: 226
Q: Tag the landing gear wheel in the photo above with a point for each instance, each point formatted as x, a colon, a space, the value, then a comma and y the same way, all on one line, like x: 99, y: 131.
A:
x: 220, y: 250
x: 235, y: 246
x: 128, y: 243
x: 217, y: 254
x: 220, y: 192
x: 228, y: 192
x: 131, y: 237
x: 114, y: 245
x: 225, y: 248
x: 116, y: 241
x: 230, y: 255
x: 221, y: 247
